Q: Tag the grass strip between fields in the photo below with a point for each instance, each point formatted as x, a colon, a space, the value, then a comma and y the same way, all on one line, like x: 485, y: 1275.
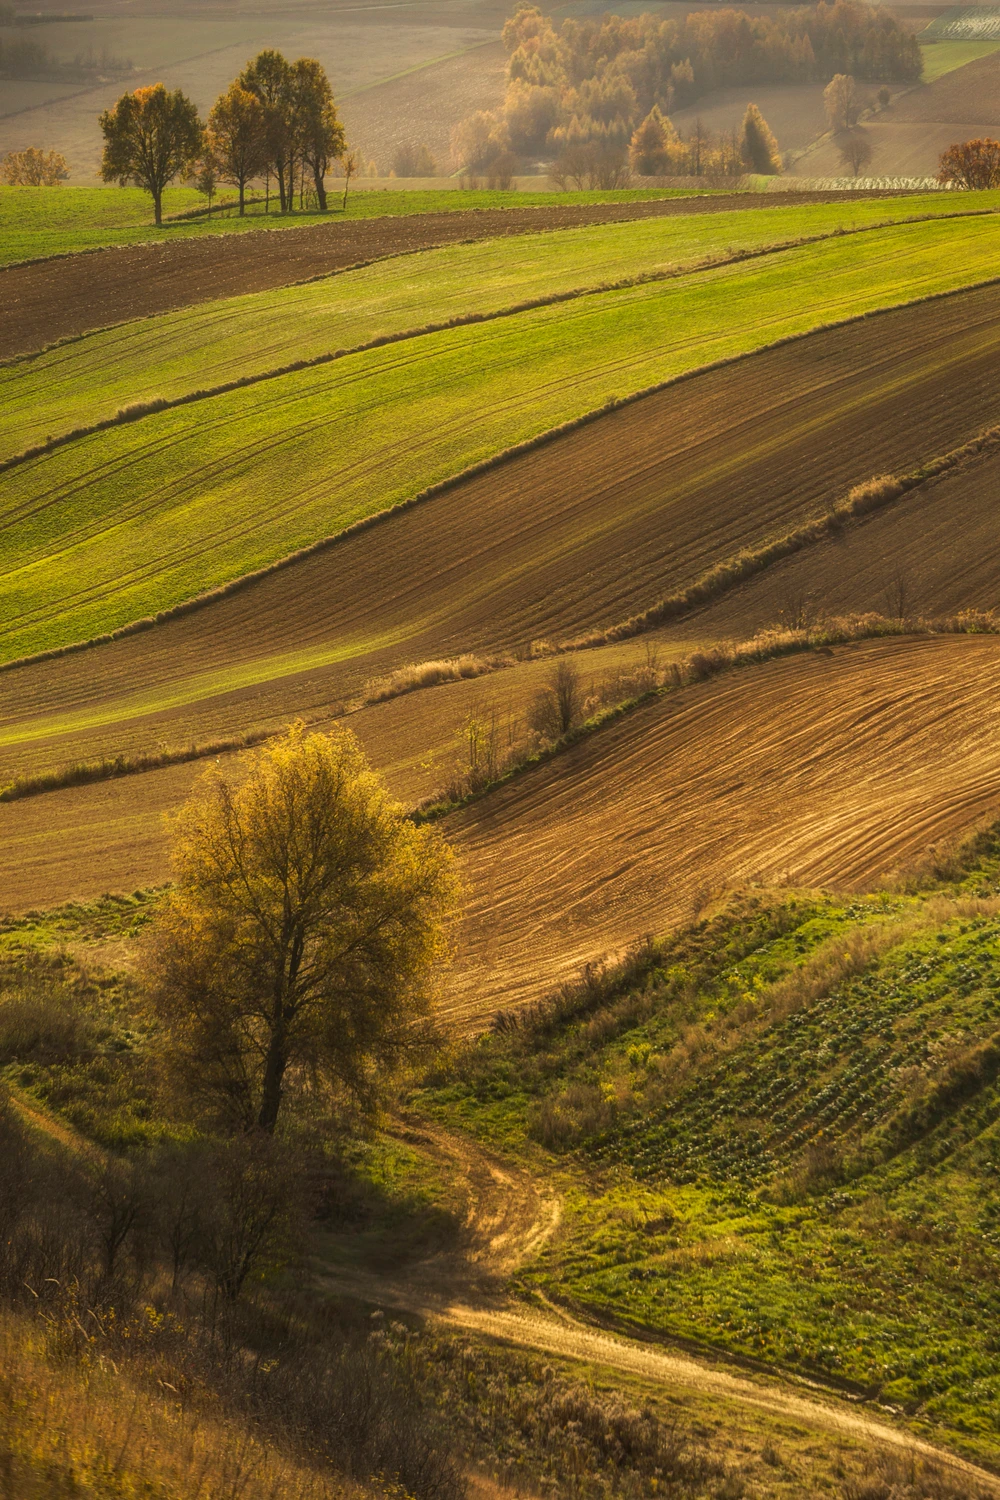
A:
x: 111, y: 375
x: 99, y: 532
x: 48, y: 223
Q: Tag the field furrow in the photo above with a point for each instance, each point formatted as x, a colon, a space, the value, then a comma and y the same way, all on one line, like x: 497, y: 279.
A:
x: 138, y: 518
x: 576, y: 535
x: 169, y: 356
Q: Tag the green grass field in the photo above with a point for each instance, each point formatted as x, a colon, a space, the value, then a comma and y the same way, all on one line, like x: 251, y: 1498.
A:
x: 777, y: 1136
x: 89, y: 379
x: 38, y: 222
x: 944, y: 57
x: 135, y: 519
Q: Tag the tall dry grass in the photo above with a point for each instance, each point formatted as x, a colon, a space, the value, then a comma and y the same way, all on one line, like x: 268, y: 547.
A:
x: 89, y: 1431
x: 425, y: 674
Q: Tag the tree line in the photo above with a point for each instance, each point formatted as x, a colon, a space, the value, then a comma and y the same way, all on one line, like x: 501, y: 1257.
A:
x: 594, y: 81
x: 276, y: 123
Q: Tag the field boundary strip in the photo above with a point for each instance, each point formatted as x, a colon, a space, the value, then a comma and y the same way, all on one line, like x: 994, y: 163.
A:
x: 471, y: 471
x: 670, y: 195
x: 140, y: 409
x: 728, y: 656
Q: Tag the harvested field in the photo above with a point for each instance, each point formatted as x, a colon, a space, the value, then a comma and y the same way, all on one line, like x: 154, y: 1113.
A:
x: 133, y: 520
x: 424, y: 106
x: 576, y: 535
x: 825, y: 769
x: 59, y: 298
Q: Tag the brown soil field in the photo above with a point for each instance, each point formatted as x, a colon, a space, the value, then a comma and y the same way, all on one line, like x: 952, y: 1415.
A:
x: 825, y: 770
x: 828, y: 769
x: 424, y: 107
x: 935, y: 552
x: 908, y: 137
x: 573, y: 536
x: 59, y: 297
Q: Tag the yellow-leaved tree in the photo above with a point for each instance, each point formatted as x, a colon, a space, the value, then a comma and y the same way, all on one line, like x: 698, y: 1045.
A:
x: 304, y: 932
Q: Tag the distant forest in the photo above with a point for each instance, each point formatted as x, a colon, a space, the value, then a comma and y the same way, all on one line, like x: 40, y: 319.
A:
x: 595, y: 80
x: 23, y: 57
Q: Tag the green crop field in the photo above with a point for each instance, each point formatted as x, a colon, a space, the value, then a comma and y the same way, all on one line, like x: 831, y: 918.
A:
x: 944, y: 57
x: 777, y: 1136
x: 132, y: 520
x: 38, y: 222
x: 89, y: 379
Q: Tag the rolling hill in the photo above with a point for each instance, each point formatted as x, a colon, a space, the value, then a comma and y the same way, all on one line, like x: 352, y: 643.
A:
x: 133, y: 520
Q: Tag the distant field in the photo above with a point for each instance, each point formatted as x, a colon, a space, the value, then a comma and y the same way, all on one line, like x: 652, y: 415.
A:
x: 907, y: 138
x: 944, y: 57
x: 967, y: 24
x: 166, y: 356
x: 58, y: 221
x: 132, y: 520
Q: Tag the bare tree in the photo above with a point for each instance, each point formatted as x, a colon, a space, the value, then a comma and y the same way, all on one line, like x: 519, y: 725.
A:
x: 856, y: 151
x: 556, y: 708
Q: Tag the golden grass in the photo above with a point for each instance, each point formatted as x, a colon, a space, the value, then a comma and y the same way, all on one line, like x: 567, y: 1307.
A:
x: 88, y: 1431
x: 424, y: 674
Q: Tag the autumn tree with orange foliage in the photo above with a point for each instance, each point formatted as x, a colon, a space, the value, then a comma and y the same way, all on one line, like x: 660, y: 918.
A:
x: 150, y: 137
x: 972, y: 164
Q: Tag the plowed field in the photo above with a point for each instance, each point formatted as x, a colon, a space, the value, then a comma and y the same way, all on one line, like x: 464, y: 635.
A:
x: 57, y: 298
x: 828, y: 768
x: 130, y: 521
x: 578, y: 534
x: 936, y: 552
x: 821, y: 770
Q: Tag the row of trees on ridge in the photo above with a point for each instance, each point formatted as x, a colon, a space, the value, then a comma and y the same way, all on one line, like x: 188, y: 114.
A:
x: 276, y: 122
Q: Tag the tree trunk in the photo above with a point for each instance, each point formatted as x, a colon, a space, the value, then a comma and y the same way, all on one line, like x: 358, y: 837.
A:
x: 158, y: 207
x: 274, y: 1072
x: 243, y: 188
x: 320, y: 189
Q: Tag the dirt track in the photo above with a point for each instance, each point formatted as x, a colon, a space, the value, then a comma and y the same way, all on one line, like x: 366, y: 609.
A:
x: 575, y: 535
x: 56, y: 298
x: 507, y: 1220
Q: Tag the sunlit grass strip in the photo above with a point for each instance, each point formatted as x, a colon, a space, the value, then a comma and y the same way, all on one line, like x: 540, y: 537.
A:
x: 41, y: 223
x: 95, y: 378
x: 134, y: 521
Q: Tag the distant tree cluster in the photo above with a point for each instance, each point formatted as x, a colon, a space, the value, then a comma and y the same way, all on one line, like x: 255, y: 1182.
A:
x: 277, y: 122
x: 971, y: 164
x: 34, y: 168
x: 656, y: 149
x: 24, y: 57
x: 592, y: 82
